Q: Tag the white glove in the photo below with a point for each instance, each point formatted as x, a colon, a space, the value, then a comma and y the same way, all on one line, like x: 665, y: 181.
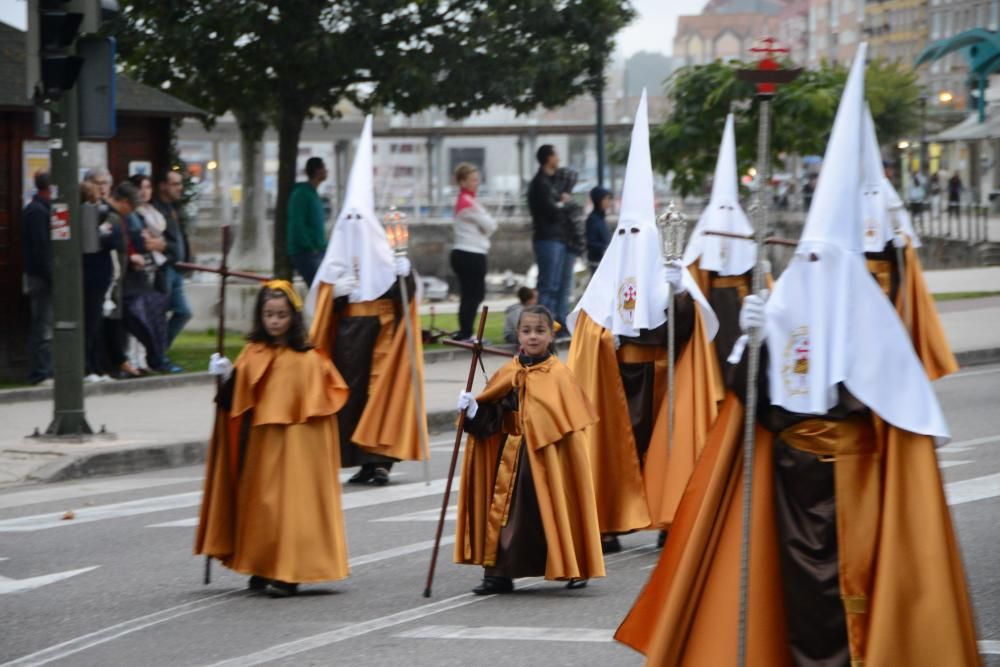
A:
x: 467, y: 402
x: 220, y: 366
x: 344, y: 286
x: 618, y: 340
x: 752, y: 313
x: 899, y: 241
x: 403, y: 266
x: 675, y: 276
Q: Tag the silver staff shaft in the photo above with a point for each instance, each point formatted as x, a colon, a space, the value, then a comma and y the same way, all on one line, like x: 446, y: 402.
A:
x: 753, y: 368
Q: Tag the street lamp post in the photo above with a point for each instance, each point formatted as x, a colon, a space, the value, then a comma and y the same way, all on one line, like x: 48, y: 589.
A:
x: 925, y: 171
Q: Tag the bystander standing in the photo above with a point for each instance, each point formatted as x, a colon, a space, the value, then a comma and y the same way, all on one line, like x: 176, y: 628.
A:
x: 169, y: 189
x: 473, y: 228
x: 306, y: 236
x: 598, y: 234
x: 38, y: 278
x: 954, y: 195
x: 525, y: 297
x: 548, y: 228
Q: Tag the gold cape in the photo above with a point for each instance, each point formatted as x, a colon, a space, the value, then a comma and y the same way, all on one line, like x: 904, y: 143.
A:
x: 901, y: 571
x: 916, y: 307
x: 630, y: 496
x: 277, y: 514
x: 553, y: 415
x: 390, y: 423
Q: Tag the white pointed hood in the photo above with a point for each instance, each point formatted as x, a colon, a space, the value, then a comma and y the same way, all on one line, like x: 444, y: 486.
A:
x: 728, y: 257
x: 882, y: 211
x: 629, y: 290
x: 358, y: 244
x: 828, y: 321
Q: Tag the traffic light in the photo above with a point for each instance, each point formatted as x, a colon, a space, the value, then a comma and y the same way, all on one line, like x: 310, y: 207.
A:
x: 57, y: 31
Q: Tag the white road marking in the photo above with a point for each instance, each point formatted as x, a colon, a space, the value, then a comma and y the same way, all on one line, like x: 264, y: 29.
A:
x: 395, y: 552
x: 350, y: 501
x: 8, y: 585
x: 82, y: 643
x: 970, y: 490
x: 297, y: 646
x: 952, y: 464
x: 509, y: 633
x: 966, y: 445
x: 50, y: 493
x: 424, y: 515
x: 989, y: 647
x: 100, y: 513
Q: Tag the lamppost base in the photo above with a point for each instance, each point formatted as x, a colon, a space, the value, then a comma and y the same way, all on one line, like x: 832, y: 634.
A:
x: 70, y: 423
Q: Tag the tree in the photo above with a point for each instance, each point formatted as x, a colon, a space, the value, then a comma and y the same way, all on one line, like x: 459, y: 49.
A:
x: 686, y: 143
x: 294, y: 59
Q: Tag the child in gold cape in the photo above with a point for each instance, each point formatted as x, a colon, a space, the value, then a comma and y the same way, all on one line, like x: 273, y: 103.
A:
x: 526, y: 505
x: 272, y: 506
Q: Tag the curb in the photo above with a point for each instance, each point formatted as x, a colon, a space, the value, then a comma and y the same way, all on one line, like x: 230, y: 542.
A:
x: 143, y: 457
x: 22, y: 394
x: 989, y: 355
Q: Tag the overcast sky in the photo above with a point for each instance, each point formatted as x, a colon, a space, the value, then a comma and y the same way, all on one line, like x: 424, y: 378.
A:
x: 652, y: 30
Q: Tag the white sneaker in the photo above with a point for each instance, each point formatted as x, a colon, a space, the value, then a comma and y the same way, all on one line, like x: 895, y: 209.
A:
x: 93, y: 378
x: 106, y: 378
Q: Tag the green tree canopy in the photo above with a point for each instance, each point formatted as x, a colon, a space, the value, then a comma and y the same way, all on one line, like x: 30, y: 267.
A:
x: 283, y: 61
x: 687, y: 142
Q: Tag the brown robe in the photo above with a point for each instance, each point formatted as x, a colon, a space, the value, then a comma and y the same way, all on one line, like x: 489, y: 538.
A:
x: 271, y: 505
x: 382, y: 419
x: 526, y: 504
x: 848, y: 513
x: 637, y: 480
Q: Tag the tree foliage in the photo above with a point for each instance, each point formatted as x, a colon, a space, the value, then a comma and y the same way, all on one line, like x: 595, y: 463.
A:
x: 282, y: 61
x: 686, y: 143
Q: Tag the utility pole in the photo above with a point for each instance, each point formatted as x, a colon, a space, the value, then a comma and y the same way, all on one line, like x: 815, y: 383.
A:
x: 599, y: 99
x: 54, y: 65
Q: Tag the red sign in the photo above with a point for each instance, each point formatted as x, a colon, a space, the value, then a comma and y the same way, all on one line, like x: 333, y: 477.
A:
x: 59, y: 224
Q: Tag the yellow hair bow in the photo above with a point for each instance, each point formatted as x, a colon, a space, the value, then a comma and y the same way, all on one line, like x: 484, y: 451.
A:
x: 285, y: 287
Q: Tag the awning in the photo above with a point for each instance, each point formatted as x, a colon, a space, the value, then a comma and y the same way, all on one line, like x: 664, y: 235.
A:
x: 971, y: 129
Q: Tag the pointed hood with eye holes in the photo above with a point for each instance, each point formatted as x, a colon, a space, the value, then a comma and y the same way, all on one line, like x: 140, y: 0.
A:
x: 882, y: 211
x: 828, y: 321
x: 629, y: 290
x: 358, y: 244
x: 727, y: 257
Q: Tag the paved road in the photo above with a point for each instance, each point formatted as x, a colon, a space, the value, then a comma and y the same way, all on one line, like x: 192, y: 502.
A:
x: 117, y: 585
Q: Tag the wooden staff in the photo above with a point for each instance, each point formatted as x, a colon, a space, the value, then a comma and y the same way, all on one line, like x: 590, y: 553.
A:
x: 483, y: 349
x: 477, y: 349
x: 220, y: 348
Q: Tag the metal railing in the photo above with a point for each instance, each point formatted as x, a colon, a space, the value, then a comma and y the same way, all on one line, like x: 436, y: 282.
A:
x: 960, y: 221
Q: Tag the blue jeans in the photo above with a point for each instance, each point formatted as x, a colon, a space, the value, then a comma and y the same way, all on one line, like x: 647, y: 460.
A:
x: 566, y: 287
x: 180, y: 310
x: 307, y: 264
x: 550, y: 257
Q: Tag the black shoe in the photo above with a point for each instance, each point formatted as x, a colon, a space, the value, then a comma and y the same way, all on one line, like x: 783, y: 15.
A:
x: 610, y: 545
x: 492, y: 585
x: 280, y: 589
x: 661, y: 539
x: 574, y: 584
x: 380, y: 477
x: 362, y: 476
x: 257, y: 583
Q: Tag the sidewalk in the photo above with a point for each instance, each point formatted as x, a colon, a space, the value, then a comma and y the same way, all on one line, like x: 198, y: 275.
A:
x: 163, y: 422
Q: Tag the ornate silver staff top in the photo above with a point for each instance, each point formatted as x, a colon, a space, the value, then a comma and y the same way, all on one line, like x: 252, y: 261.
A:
x: 397, y: 232
x: 673, y: 232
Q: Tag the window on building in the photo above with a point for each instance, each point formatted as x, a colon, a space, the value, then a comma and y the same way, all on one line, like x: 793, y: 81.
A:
x: 402, y: 172
x: 834, y: 14
x: 994, y: 14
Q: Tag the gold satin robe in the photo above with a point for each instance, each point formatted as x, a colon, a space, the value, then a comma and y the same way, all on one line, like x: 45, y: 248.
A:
x: 552, y: 417
x: 271, y: 505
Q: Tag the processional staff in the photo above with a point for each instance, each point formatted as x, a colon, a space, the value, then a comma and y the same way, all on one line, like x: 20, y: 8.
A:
x: 398, y: 235
x: 766, y: 75
x: 673, y: 229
